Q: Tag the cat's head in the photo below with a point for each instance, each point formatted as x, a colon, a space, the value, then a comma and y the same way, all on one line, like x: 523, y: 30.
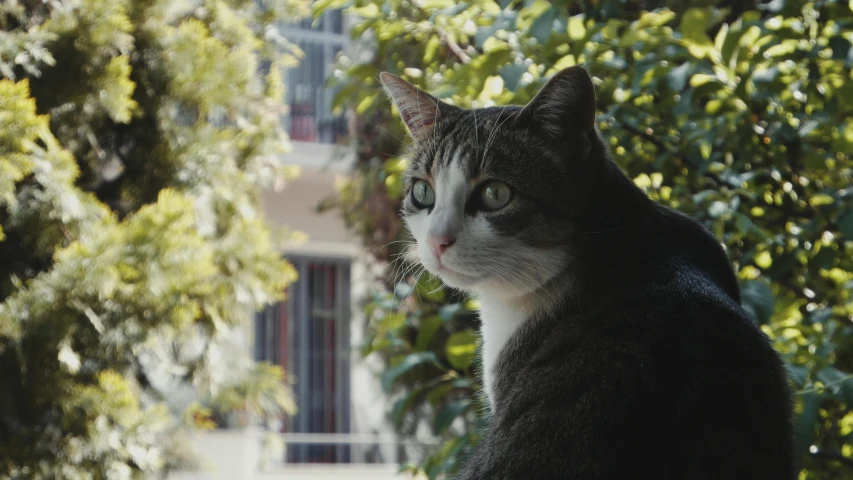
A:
x: 491, y: 193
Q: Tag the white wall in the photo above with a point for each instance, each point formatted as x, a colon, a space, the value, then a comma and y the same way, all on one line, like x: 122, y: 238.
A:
x: 236, y: 454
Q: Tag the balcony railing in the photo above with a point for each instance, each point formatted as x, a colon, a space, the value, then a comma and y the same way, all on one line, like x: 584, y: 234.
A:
x: 308, y: 123
x: 311, y: 118
x: 365, y: 448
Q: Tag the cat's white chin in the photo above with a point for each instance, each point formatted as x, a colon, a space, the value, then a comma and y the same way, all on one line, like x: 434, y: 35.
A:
x: 456, y: 280
x: 450, y: 276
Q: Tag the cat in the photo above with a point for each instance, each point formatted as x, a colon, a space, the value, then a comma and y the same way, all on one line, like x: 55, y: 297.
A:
x: 614, y: 343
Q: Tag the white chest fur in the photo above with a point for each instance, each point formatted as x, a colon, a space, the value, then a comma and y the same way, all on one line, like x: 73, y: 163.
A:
x: 499, y: 320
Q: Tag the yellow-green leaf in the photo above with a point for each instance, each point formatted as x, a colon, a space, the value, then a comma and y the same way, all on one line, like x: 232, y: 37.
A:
x: 460, y: 348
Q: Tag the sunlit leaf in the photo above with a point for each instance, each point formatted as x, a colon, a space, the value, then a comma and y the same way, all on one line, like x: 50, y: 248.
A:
x: 461, y: 347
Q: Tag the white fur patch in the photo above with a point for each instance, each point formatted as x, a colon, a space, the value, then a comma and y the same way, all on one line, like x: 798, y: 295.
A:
x: 499, y: 320
x: 447, y: 216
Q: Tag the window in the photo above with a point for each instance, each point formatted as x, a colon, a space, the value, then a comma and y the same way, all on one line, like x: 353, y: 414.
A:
x: 309, y: 334
x: 311, y: 118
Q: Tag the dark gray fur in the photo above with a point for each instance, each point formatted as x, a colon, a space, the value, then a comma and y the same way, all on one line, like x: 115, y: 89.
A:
x: 647, y: 366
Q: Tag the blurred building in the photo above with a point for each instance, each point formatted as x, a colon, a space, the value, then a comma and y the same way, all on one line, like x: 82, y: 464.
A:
x: 341, y: 429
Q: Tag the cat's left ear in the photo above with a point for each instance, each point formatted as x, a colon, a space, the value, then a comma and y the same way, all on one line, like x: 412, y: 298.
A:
x: 565, y: 105
x: 420, y: 110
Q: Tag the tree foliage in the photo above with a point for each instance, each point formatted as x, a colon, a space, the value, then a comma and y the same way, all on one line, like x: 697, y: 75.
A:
x: 133, y: 138
x: 741, y: 117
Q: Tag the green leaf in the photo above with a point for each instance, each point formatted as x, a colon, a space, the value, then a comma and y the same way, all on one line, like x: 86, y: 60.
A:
x: 431, y: 49
x: 461, y: 347
x: 784, y: 48
x: 437, y: 393
x: 819, y: 199
x: 837, y: 382
x: 543, y: 27
x: 365, y: 103
x: 411, y: 361
x: 805, y: 425
x: 797, y: 373
x: 701, y: 79
x: 677, y: 77
x: 511, y: 75
x: 576, y: 28
x: 758, y: 300
x: 345, y: 94
x: 452, y: 11
x: 430, y: 288
x: 845, y: 225
x: 657, y: 18
x: 843, y: 141
x: 392, y: 321
x: 705, y: 148
x: 445, y: 417
x: 694, y: 25
x: 403, y: 405
x: 729, y: 48
x: 446, y: 458
x: 720, y: 39
x: 428, y: 327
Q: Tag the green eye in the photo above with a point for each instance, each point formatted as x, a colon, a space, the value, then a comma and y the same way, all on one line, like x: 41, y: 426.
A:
x: 495, y: 196
x: 422, y: 194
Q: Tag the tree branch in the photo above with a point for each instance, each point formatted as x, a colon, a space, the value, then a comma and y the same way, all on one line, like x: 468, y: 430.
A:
x: 452, y: 45
x: 649, y: 138
x: 833, y: 457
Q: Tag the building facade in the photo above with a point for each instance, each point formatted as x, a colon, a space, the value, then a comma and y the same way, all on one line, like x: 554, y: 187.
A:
x: 317, y: 331
x: 341, y: 430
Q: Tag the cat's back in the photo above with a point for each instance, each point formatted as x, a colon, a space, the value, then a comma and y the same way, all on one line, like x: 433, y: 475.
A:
x: 671, y: 376
x: 720, y: 392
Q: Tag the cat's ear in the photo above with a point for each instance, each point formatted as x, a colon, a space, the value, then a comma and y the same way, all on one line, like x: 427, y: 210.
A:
x: 565, y: 105
x: 420, y: 110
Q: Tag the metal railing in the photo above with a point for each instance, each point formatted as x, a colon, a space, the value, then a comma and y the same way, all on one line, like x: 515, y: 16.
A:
x: 310, y: 118
x: 365, y: 448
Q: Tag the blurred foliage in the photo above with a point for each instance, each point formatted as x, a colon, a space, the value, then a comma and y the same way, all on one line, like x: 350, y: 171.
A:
x: 740, y: 116
x: 134, y: 137
x: 261, y: 393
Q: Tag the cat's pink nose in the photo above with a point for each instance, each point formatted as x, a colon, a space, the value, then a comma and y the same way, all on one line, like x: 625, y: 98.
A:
x: 439, y: 244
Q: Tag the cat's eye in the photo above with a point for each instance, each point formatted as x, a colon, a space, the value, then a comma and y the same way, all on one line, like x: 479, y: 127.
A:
x: 495, y: 195
x: 422, y: 194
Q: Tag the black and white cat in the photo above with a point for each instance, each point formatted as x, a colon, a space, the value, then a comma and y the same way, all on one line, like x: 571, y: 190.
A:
x: 614, y: 343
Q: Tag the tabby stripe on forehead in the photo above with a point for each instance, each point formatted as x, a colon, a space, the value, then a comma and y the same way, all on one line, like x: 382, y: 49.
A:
x: 448, y: 131
x: 452, y: 139
x: 467, y: 141
x: 473, y: 165
x: 434, y: 160
x: 457, y: 139
x: 468, y: 160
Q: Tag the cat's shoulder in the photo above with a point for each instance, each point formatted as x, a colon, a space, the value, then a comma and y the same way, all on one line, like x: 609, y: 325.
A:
x: 682, y: 302
x: 682, y: 286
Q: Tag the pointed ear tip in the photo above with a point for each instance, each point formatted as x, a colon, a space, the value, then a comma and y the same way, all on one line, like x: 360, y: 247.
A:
x: 385, y: 77
x: 578, y: 71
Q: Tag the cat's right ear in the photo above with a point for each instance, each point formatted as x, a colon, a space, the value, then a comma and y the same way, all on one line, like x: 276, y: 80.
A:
x: 420, y: 110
